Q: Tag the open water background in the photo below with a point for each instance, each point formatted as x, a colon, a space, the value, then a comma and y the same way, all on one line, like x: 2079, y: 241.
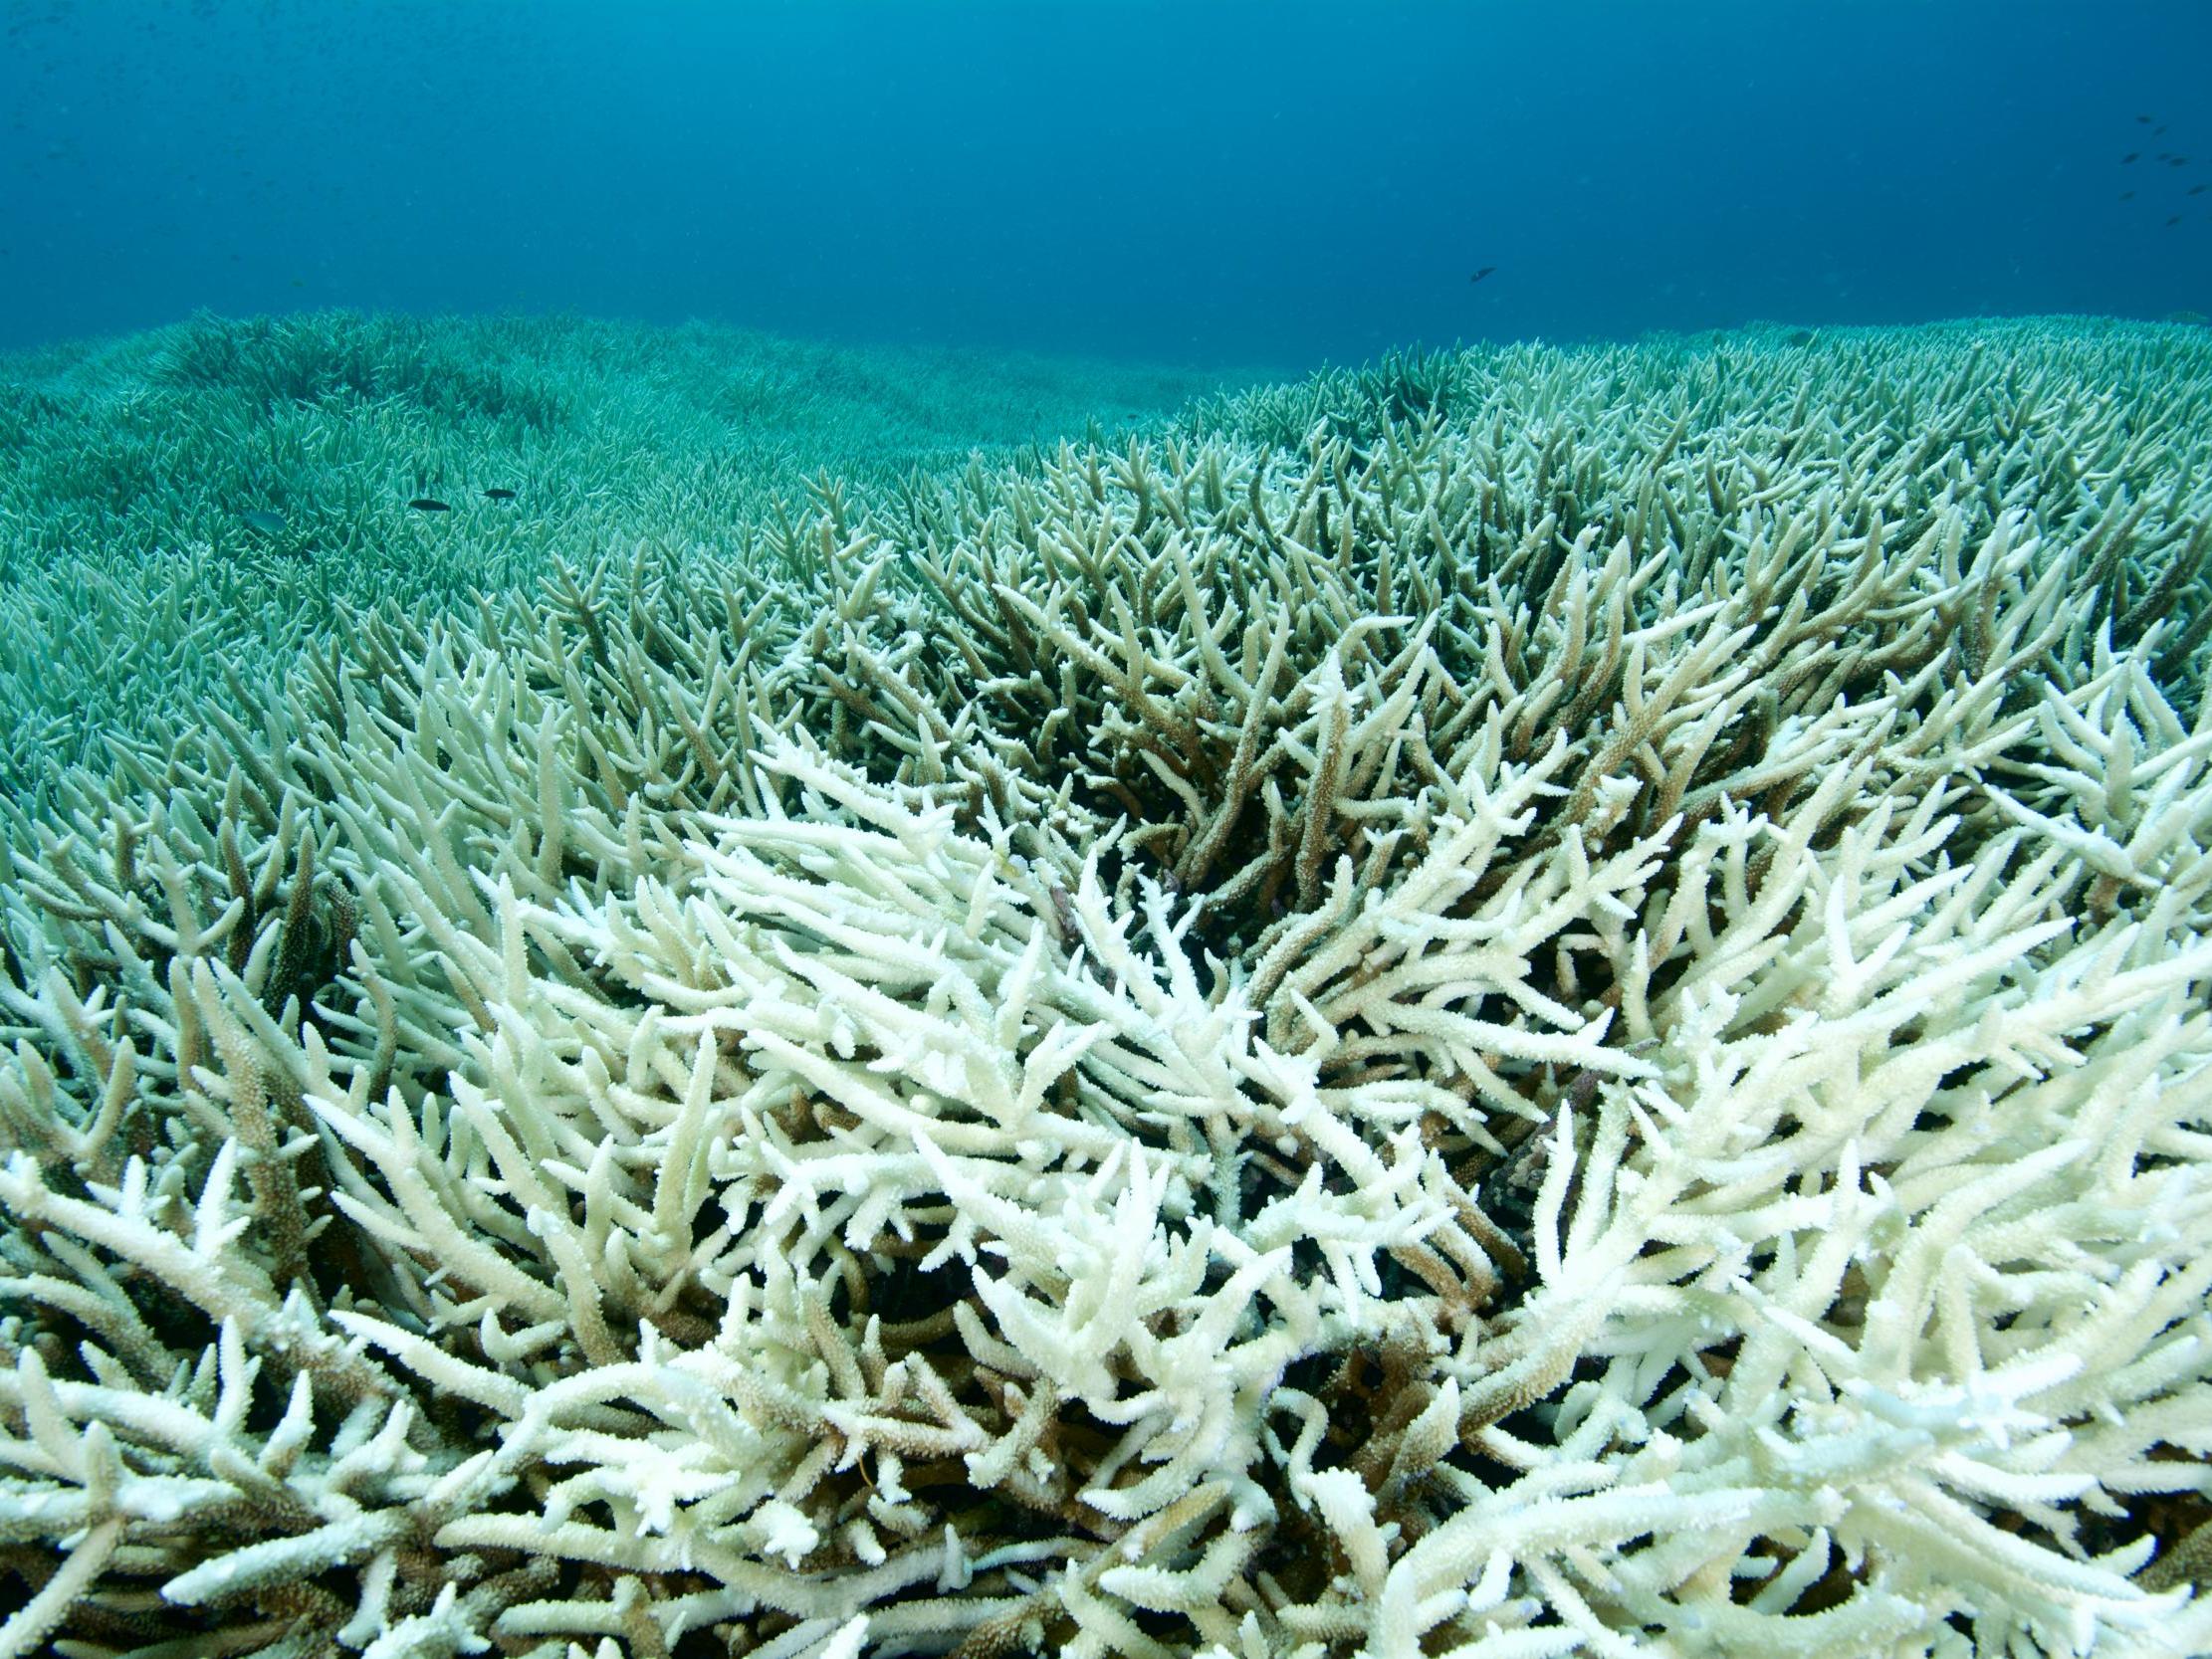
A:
x: 1232, y: 183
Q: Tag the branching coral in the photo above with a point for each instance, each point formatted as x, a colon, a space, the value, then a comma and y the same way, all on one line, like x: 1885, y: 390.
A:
x: 139, y: 575
x: 1428, y: 1042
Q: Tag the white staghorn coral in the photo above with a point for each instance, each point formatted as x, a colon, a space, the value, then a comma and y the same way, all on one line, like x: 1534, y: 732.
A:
x: 1440, y: 1044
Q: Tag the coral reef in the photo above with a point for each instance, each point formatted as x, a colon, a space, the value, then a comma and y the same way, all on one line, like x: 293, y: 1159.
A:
x: 193, y: 507
x: 1527, y: 1002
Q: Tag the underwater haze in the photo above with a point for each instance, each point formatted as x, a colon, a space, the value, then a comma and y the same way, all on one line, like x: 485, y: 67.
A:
x: 1227, y: 183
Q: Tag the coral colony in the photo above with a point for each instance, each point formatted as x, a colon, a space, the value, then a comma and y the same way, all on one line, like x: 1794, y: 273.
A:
x: 1531, y: 1002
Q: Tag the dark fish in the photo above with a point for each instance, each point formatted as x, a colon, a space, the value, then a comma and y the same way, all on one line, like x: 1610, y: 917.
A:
x: 2146, y: 119
x: 2175, y: 220
x: 2127, y: 195
x: 2131, y: 156
x: 426, y: 503
x: 2177, y: 161
x: 264, y: 521
x: 2160, y: 131
x: 1479, y: 275
x: 494, y: 493
x: 1799, y: 336
x: 2196, y: 189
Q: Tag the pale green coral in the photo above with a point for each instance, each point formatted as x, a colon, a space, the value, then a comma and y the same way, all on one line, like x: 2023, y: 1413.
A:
x: 135, y: 585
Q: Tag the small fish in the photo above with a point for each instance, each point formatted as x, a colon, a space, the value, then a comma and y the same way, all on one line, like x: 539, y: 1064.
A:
x: 2127, y: 195
x: 2146, y: 119
x: 2131, y: 156
x: 1479, y: 275
x: 2177, y: 161
x: 428, y: 504
x: 1799, y: 336
x: 264, y: 521
x: 2164, y: 155
x: 2198, y: 189
x: 2175, y: 220
x: 494, y: 493
x: 2158, y: 131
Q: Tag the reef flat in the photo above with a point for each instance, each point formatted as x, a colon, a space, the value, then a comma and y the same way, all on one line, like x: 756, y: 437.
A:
x: 1531, y: 1000
x: 203, y: 503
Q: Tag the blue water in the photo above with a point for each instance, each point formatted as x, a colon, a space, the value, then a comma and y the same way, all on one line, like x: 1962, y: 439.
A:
x: 1223, y: 184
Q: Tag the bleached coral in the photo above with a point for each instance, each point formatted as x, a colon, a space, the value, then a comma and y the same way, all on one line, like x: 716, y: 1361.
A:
x: 1439, y: 1043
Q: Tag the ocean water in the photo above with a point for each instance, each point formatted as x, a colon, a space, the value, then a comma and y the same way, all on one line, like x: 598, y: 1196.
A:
x: 1203, y: 183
